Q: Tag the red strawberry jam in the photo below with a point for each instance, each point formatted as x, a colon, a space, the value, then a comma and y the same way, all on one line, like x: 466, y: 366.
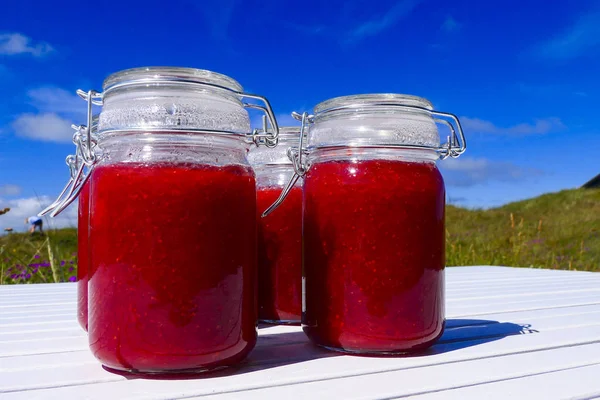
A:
x: 83, y: 255
x: 172, y: 282
x: 374, y: 255
x: 279, y: 257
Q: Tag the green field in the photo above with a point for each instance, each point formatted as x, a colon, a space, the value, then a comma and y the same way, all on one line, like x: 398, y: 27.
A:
x: 558, y: 230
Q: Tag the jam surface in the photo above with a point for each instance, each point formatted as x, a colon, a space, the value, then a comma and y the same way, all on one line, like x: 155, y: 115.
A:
x: 374, y: 255
x: 83, y: 255
x: 279, y: 256
x: 172, y: 280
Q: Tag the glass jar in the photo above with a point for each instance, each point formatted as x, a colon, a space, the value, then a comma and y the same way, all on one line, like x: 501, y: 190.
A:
x: 373, y: 223
x: 279, y: 233
x: 172, y: 283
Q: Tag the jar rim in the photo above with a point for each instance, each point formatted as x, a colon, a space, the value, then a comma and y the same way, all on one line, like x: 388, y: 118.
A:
x: 159, y: 75
x: 372, y: 99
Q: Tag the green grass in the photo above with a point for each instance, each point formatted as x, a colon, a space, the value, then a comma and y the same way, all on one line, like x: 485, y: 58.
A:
x: 26, y: 258
x: 558, y: 230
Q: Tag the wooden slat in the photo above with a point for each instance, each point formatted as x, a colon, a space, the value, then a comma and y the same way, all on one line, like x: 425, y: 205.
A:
x: 571, y: 383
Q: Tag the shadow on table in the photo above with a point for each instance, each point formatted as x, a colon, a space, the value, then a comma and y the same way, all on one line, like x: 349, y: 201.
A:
x: 277, y: 350
x: 463, y: 333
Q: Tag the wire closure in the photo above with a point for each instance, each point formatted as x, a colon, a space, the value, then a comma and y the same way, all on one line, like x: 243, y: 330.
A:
x: 77, y: 164
x: 296, y: 157
x: 84, y: 157
x: 456, y: 143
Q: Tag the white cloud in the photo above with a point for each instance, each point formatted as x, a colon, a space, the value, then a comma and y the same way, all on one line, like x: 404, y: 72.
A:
x: 356, y: 21
x: 582, y: 37
x: 217, y: 15
x: 10, y: 190
x: 57, y: 110
x: 538, y: 127
x: 53, y: 99
x: 27, y: 207
x: 464, y: 172
x: 376, y: 25
x: 450, y: 24
x: 16, y: 43
x: 48, y: 127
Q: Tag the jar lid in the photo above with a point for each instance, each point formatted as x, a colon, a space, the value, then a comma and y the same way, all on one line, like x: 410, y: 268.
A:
x: 173, y: 99
x: 165, y: 75
x: 368, y: 120
x: 360, y: 101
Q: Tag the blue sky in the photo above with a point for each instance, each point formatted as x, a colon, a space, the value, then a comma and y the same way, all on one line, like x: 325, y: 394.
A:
x: 522, y: 75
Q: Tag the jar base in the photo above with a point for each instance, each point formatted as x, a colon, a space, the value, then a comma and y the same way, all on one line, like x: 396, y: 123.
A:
x: 279, y: 322
x: 180, y: 373
x: 372, y: 353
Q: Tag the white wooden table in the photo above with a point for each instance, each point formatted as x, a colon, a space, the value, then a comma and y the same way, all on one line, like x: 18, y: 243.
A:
x: 511, y: 333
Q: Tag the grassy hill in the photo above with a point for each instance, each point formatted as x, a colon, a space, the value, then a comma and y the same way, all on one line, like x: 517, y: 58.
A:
x: 557, y: 230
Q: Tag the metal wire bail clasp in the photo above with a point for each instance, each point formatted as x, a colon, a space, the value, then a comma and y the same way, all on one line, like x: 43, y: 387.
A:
x: 83, y: 158
x: 456, y: 143
x: 296, y: 156
x: 267, y: 137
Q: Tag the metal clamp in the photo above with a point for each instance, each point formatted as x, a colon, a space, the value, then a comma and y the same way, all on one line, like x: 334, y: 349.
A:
x: 77, y: 164
x: 84, y: 158
x: 296, y: 156
x: 456, y: 144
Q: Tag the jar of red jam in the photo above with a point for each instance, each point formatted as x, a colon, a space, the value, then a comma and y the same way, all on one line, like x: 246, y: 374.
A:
x: 172, y: 200
x: 279, y: 233
x: 373, y: 223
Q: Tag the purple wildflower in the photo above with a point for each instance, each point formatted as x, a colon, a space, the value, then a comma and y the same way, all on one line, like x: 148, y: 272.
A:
x: 14, y: 276
x: 73, y: 279
x: 71, y: 262
x: 71, y: 269
x: 36, y: 256
x: 62, y: 263
x: 45, y: 264
x: 27, y: 276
